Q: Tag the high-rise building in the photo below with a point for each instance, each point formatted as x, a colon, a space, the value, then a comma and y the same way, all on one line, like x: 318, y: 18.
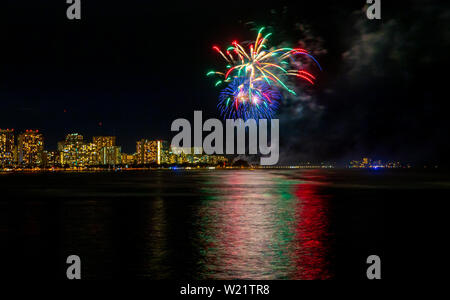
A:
x: 71, y: 149
x: 103, y: 141
x: 7, y: 147
x: 146, y: 151
x: 30, y: 148
x: 149, y: 152
x: 110, y: 155
x: 164, y: 152
x: 89, y: 155
x: 76, y: 153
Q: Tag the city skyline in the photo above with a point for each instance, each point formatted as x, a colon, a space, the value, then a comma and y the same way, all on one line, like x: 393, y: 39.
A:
x: 28, y: 150
x: 77, y: 151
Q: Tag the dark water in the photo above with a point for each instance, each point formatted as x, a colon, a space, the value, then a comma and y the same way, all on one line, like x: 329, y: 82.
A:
x: 246, y: 224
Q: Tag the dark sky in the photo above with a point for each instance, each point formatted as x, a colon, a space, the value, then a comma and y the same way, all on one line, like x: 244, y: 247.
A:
x: 135, y: 66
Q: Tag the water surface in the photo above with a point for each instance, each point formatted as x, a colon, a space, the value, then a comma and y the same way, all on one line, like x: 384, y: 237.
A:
x: 198, y: 224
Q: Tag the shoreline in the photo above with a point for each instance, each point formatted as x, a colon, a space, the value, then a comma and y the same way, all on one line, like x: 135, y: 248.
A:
x: 146, y: 169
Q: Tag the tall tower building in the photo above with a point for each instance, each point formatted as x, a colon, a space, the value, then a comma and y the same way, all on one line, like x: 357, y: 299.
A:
x: 164, y: 152
x: 7, y: 147
x: 101, y: 142
x: 72, y: 149
x: 110, y: 155
x: 30, y: 147
x: 149, y: 152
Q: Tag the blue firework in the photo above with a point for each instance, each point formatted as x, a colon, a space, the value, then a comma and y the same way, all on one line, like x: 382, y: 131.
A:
x: 239, y: 100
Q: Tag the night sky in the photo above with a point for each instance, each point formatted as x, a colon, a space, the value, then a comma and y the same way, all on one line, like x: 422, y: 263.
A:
x: 129, y: 68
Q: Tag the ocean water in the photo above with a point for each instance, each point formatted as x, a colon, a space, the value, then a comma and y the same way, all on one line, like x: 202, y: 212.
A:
x: 201, y: 224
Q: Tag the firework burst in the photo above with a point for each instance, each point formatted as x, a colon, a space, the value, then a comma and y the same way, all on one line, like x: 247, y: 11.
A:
x: 239, y: 101
x: 256, y: 77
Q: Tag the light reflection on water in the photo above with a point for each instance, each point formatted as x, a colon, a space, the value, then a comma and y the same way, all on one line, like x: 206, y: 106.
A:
x: 224, y: 224
x: 257, y: 225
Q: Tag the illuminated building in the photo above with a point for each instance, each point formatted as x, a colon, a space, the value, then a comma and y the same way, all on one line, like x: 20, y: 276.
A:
x: 76, y: 153
x: 110, y: 155
x: 149, y: 152
x: 193, y: 158
x: 143, y: 151
x: 179, y: 155
x: 217, y: 160
x: 74, y: 138
x: 187, y: 155
x: 207, y: 159
x: 104, y: 141
x: 15, y: 155
x: 164, y: 152
x: 369, y: 163
x: 355, y: 164
x: 172, y: 158
x: 177, y: 158
x: 366, y: 162
x: 89, y: 155
x: 71, y: 149
x: 51, y: 159
x: 30, y: 147
x: 128, y: 159
x: 7, y: 147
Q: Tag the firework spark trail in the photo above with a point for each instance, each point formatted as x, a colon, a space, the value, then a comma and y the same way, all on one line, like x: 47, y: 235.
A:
x: 254, y: 78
